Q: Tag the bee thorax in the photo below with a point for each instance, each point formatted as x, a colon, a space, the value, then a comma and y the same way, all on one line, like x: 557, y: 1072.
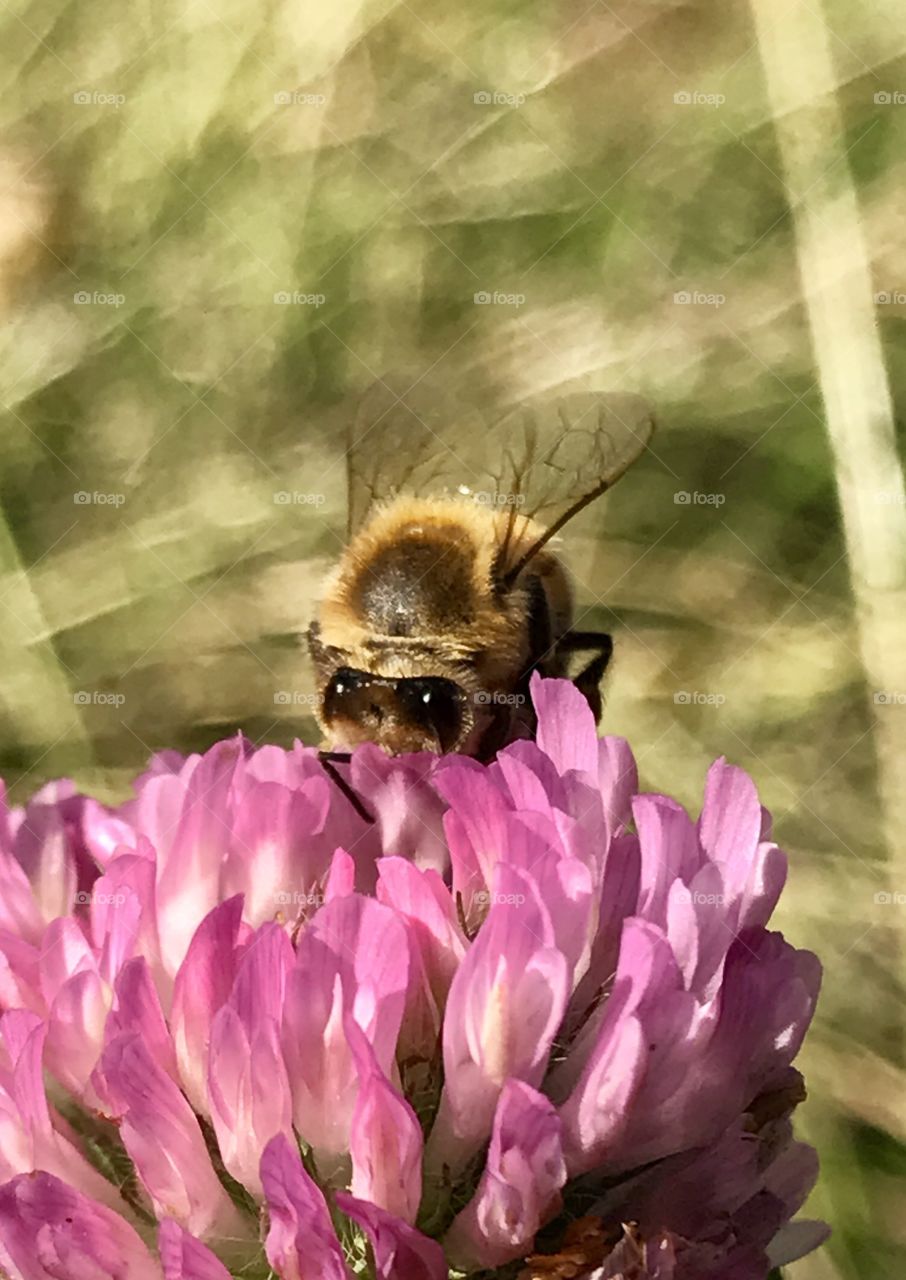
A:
x: 419, y: 584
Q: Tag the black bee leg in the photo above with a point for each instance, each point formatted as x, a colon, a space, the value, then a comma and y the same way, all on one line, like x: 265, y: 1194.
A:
x: 588, y: 681
x: 327, y: 759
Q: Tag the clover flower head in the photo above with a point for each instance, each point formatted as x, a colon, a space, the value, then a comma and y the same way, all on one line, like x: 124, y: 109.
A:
x: 528, y: 1022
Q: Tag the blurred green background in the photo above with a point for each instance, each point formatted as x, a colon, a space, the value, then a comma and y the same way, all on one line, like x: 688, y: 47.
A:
x: 219, y: 223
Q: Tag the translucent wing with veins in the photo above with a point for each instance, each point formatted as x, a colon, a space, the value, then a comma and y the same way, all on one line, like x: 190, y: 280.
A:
x: 545, y: 458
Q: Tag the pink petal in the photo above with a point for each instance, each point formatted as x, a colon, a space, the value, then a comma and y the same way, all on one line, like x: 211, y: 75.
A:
x: 301, y: 1243
x: 105, y: 833
x: 19, y: 974
x: 352, y: 958
x: 707, y: 933
x: 768, y: 998
x: 29, y: 1139
x: 123, y: 914
x: 531, y: 778
x: 400, y: 1252
x: 75, y: 1033
x: 50, y: 1231
x: 272, y: 858
x: 293, y: 769
x: 340, y: 880
x: 534, y: 845
x: 249, y: 1092
x: 203, y: 983
x: 385, y: 1138
x: 185, y: 1258
x: 189, y: 868
x: 566, y: 727
x: 64, y: 951
x: 683, y: 930
x: 163, y: 1138
x: 617, y: 899
x: 248, y: 1088
x: 469, y: 885
x: 157, y: 809
x: 618, y: 781
x: 731, y: 818
x: 598, y: 1108
x: 22, y: 1034
x: 505, y: 1005
x: 520, y: 1187
x: 45, y: 854
x: 408, y: 813
x: 317, y: 1056
x: 475, y: 824
x: 371, y: 950
x: 763, y: 886
x: 260, y: 983
x: 20, y: 914
x: 670, y: 851
x: 137, y: 1008
x: 423, y: 899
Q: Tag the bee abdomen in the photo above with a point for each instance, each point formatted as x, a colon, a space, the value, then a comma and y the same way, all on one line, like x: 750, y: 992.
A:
x: 418, y: 584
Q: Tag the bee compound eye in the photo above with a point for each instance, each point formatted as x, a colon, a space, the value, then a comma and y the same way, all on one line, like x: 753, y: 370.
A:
x: 436, y: 704
x: 345, y: 680
x: 344, y: 691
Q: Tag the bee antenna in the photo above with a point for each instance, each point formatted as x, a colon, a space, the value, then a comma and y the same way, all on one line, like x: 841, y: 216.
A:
x: 327, y: 759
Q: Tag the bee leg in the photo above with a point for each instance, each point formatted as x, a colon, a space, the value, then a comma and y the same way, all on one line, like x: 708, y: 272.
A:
x: 327, y: 759
x: 588, y: 681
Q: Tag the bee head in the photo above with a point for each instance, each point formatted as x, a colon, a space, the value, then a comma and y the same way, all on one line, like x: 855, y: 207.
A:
x: 412, y: 713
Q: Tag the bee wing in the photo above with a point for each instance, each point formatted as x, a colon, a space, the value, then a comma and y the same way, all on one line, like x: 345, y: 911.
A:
x: 559, y: 453
x: 545, y: 458
x: 402, y: 440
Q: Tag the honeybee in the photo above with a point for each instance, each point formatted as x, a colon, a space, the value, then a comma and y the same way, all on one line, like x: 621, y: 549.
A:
x: 448, y: 595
